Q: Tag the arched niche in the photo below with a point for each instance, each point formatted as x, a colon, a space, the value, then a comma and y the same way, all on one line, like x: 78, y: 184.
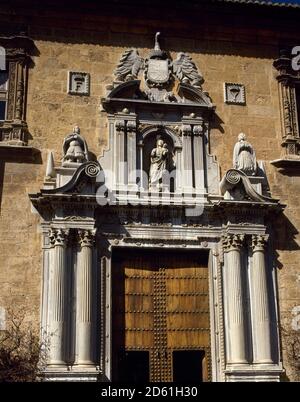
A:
x: 147, y: 142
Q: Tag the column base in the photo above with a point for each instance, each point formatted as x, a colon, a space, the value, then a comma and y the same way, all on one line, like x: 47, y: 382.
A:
x: 58, y: 363
x: 253, y: 373
x: 83, y: 364
x: 71, y: 374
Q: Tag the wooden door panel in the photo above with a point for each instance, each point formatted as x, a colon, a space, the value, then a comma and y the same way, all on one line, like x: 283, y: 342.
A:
x: 163, y: 305
x: 188, y: 340
x: 138, y: 340
x: 187, y: 320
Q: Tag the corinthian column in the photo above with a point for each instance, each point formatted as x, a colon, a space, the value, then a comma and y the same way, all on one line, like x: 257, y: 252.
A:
x: 260, y: 302
x: 234, y: 300
x: 84, y: 300
x: 57, y: 318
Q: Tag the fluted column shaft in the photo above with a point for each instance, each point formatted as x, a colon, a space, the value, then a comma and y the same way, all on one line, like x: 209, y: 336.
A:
x: 187, y: 176
x: 260, y: 303
x: 84, y: 300
x: 57, y: 297
x: 234, y: 303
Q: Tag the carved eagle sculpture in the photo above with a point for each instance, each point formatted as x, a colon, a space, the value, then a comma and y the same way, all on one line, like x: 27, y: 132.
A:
x: 186, y: 71
x: 129, y: 66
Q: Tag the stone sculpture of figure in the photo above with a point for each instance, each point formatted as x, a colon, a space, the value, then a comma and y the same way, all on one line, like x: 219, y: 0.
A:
x: 244, y: 158
x: 159, y: 163
x: 75, y: 147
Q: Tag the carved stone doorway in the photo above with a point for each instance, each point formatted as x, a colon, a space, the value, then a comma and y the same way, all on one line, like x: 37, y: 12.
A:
x: 160, y: 316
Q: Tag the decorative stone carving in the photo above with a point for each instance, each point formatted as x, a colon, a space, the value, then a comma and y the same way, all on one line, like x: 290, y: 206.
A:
x: 78, y: 83
x: 14, y: 130
x: 157, y: 67
x: 120, y: 125
x: 186, y: 71
x: 131, y: 126
x: 239, y: 187
x: 288, y: 78
x: 58, y: 237
x: 233, y: 242
x: 50, y: 170
x: 86, y: 238
x: 259, y: 242
x: 75, y: 148
x: 186, y: 129
x: 234, y: 94
x: 159, y: 71
x: 244, y: 158
x: 198, y: 130
x: 129, y: 66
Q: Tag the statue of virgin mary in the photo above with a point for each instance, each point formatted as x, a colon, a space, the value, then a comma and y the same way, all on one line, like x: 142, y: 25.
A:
x: 158, y: 165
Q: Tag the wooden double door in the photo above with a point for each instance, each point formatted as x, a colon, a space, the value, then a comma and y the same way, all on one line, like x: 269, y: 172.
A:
x: 161, y: 329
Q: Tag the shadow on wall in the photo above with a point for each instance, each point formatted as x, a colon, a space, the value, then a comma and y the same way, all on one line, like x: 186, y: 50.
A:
x: 285, y: 235
x: 189, y: 25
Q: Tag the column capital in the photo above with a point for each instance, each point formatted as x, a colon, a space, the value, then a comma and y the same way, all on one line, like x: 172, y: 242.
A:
x: 58, y: 237
x: 186, y: 129
x: 233, y: 241
x: 259, y: 242
x: 86, y: 237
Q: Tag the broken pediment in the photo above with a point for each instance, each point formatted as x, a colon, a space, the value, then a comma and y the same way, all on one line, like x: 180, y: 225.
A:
x: 237, y: 186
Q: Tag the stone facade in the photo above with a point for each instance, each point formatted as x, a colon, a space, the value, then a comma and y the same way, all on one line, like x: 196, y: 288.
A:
x: 65, y: 41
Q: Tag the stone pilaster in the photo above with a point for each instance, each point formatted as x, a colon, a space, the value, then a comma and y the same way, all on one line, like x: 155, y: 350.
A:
x: 57, y: 316
x: 234, y: 300
x: 198, y: 157
x: 187, y: 174
x: 84, y: 300
x: 131, y: 155
x: 260, y: 302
